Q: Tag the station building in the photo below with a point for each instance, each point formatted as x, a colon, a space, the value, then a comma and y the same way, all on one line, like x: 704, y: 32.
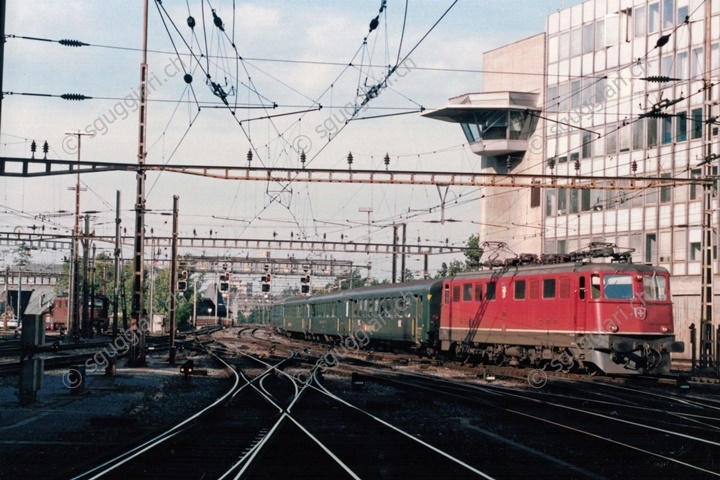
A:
x: 612, y: 88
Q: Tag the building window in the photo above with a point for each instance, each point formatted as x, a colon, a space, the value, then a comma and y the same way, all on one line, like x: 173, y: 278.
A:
x: 681, y: 127
x: 668, y: 13
x: 562, y: 201
x: 652, y: 132
x: 681, y: 69
x: 564, y: 45
x: 576, y: 98
x: 624, y: 134
x: 612, y: 30
x: 695, y: 189
x: 667, y: 130
x: 681, y: 14
x: 599, y: 34
x: 640, y: 22
x: 697, y: 61
x: 585, y: 200
x: 653, y: 17
x: 588, y: 37
x: 665, y: 190
x: 600, y: 90
x: 611, y: 140
x: 586, y: 144
x: 637, y: 134
x: 697, y: 122
x: 534, y: 197
x: 576, y: 42
x: 650, y: 247
x: 695, y: 253
x: 574, y: 196
x: 550, y: 202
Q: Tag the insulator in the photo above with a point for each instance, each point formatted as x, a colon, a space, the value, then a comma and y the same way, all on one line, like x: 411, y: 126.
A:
x: 33, y: 146
x: 660, y: 79
x: 662, y: 41
x: 72, y: 43
x: 656, y: 114
x: 217, y: 21
x: 508, y: 163
x: 551, y: 163
x: 249, y: 157
x: 577, y: 167
x: 74, y: 96
x: 303, y: 157
x: 633, y: 166
x: 374, y: 23
x: 46, y: 147
x: 387, y: 161
x: 191, y: 21
x: 350, y: 159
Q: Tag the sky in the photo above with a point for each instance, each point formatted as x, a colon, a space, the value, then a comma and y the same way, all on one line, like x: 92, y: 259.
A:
x: 310, y: 61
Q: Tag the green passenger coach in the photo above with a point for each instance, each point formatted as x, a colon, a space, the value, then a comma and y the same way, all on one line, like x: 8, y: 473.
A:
x: 405, y: 314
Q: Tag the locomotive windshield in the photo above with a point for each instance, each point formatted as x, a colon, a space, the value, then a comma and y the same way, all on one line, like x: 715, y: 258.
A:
x: 618, y: 287
x: 654, y: 287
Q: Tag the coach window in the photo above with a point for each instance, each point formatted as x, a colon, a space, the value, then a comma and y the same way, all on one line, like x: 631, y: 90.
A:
x: 490, y: 293
x: 456, y: 293
x: 520, y: 290
x: 478, y: 292
x: 595, y: 285
x: 467, y: 292
x: 549, y: 288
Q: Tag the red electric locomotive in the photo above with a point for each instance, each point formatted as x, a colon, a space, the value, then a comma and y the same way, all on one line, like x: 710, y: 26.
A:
x: 569, y: 314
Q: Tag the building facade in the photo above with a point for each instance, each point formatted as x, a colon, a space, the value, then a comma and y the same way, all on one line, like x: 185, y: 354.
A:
x: 627, y: 91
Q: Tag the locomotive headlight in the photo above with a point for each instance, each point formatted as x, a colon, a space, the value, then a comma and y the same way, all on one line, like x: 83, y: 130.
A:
x: 663, y: 329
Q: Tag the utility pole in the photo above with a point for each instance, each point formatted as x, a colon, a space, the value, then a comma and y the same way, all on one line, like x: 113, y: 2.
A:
x: 402, y: 257
x: 173, y: 279
x: 137, y: 348
x: 707, y: 356
x: 394, y: 255
x: 86, y: 329
x: 3, y: 9
x: 117, y: 252
x: 74, y: 292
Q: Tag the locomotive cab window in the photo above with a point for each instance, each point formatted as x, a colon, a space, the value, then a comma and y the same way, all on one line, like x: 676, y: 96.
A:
x: 618, y: 287
x: 520, y: 290
x: 595, y: 285
x: 654, y: 287
x: 467, y: 292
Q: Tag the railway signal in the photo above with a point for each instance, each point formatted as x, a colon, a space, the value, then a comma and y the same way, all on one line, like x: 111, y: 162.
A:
x: 305, y: 287
x: 224, y: 278
x: 182, y: 281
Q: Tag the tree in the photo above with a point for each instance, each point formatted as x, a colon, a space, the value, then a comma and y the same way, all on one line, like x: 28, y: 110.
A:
x: 472, y: 259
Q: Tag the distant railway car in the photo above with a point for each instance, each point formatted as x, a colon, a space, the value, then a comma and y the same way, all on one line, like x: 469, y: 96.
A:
x: 610, y: 317
x: 561, y: 312
x: 405, y: 314
x: 98, y: 313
